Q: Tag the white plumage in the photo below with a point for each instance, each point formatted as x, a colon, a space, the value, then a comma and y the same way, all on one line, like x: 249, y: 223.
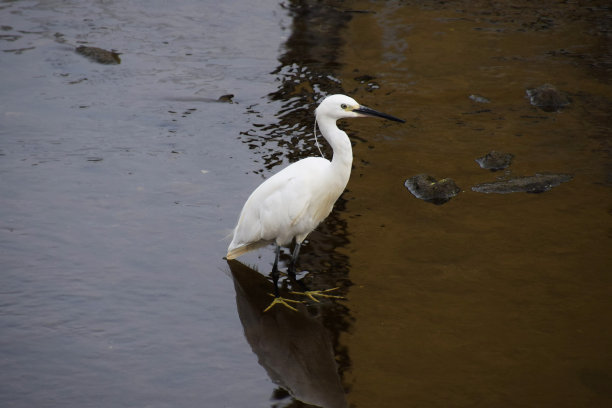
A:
x: 289, y: 204
x: 292, y: 202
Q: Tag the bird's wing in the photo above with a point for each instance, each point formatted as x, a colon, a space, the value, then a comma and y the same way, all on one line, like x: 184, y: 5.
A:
x: 276, y: 210
x: 288, y: 198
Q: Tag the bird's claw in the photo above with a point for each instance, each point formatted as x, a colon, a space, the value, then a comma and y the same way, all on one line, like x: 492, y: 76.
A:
x: 322, y: 293
x: 282, y: 301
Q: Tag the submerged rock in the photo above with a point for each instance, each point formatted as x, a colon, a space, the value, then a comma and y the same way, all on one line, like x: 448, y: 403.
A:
x: 530, y: 184
x: 367, y: 80
x: 479, y: 99
x: 99, y: 55
x: 429, y: 189
x: 495, y: 160
x: 548, y: 98
x: 364, y: 78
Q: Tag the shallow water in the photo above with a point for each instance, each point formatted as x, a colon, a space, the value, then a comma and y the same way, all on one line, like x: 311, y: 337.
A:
x: 119, y: 184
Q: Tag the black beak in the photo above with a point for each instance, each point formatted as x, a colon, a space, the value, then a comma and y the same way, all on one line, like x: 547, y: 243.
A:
x: 371, y: 112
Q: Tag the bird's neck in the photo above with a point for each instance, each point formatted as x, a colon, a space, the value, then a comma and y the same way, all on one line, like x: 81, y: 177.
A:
x: 341, y: 145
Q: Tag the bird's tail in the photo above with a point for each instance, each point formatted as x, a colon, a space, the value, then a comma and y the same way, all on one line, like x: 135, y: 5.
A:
x: 233, y: 253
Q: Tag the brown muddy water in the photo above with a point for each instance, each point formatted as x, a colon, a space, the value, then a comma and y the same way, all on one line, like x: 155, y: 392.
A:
x: 120, y: 183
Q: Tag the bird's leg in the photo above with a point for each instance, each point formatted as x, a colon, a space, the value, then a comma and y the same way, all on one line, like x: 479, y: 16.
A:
x: 275, y: 274
x: 277, y: 298
x: 305, y: 291
x: 312, y: 294
x: 294, y: 257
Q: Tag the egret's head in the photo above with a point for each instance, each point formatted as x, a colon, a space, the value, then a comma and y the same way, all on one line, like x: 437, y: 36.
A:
x: 342, y: 106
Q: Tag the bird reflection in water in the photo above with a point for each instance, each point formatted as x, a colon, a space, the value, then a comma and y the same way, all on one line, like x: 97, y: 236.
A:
x: 294, y: 347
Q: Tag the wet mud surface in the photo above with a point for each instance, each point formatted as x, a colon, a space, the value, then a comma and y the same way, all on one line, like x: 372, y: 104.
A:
x: 119, y: 185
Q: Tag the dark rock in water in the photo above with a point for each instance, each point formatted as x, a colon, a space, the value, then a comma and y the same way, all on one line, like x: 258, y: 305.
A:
x: 99, y: 55
x: 530, y: 184
x: 495, y: 160
x: 364, y: 78
x: 479, y: 99
x: 429, y: 189
x: 226, y: 98
x: 367, y: 80
x: 547, y: 98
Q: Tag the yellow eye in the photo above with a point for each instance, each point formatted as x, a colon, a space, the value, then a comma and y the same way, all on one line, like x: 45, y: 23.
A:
x: 344, y: 106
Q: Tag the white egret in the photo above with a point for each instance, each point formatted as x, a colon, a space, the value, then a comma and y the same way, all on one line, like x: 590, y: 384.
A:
x: 291, y: 203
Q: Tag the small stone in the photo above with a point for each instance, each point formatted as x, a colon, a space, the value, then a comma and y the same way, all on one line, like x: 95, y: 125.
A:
x: 495, y: 160
x: 429, y: 189
x: 99, y: 55
x: 228, y: 98
x: 479, y: 99
x: 548, y: 98
x: 364, y: 78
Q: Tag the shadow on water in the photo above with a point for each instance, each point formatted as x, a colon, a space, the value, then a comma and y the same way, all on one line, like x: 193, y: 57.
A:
x: 306, y: 73
x: 294, y: 347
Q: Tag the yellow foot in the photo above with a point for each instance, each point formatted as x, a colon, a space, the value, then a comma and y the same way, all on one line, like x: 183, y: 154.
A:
x: 322, y: 293
x: 282, y: 301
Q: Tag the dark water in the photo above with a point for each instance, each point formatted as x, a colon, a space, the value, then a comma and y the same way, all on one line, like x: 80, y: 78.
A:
x: 119, y: 184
